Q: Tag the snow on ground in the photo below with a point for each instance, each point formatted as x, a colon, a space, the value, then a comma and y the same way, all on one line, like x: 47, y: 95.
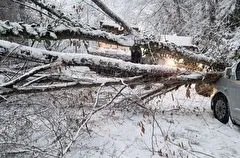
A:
x: 185, y: 127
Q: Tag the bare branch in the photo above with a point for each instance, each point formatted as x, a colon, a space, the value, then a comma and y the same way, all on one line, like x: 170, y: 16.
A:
x: 86, y: 119
x: 35, y: 80
x: 30, y: 73
x: 51, y: 9
x: 89, y: 116
x: 62, y: 86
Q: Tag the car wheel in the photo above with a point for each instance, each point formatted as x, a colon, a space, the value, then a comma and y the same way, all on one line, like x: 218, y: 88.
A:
x: 220, y: 109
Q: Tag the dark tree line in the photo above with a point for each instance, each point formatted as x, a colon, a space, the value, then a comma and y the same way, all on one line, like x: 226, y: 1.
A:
x: 12, y: 11
x: 234, y: 18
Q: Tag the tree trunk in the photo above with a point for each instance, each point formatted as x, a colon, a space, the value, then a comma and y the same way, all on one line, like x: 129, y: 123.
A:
x: 112, y: 15
x: 99, y: 64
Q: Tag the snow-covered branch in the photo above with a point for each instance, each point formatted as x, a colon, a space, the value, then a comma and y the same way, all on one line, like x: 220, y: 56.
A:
x: 71, y: 84
x: 61, y: 32
x: 112, y: 15
x: 52, y: 9
x: 67, y: 32
x: 166, y: 48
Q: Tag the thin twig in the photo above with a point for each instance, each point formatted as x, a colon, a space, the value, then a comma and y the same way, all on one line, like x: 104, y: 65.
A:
x: 30, y: 73
x: 18, y: 2
x: 9, y: 53
x: 202, y: 153
x: 87, y: 118
x: 35, y: 80
x: 2, y: 97
x: 153, y: 131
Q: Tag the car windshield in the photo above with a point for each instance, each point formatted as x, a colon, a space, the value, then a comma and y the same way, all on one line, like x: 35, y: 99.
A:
x: 238, y: 71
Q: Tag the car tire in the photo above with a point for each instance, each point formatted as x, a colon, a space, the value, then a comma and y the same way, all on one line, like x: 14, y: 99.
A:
x: 221, y: 109
x: 233, y: 121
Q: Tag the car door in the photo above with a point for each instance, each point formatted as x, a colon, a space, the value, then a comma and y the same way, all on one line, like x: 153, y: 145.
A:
x: 235, y: 100
x: 235, y: 95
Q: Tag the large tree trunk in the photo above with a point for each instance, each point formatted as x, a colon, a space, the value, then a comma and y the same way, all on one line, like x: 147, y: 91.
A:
x: 115, y: 66
x: 100, y: 64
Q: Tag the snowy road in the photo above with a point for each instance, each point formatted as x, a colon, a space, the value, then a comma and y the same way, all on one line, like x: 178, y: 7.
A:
x: 183, y: 128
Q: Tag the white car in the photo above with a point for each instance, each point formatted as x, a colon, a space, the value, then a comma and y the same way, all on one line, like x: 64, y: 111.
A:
x: 226, y: 99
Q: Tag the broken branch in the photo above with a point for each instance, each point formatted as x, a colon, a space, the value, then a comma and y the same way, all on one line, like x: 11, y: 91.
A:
x: 30, y: 73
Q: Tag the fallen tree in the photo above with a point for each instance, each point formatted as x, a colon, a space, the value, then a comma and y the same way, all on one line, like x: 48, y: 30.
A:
x: 168, y: 76
x: 119, y: 67
x: 13, y: 29
x: 46, y: 74
x: 77, y: 31
x: 102, y: 65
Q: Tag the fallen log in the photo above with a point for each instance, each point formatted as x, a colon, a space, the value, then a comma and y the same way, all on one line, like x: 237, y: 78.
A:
x: 167, y: 76
x: 96, y: 63
x: 169, y: 83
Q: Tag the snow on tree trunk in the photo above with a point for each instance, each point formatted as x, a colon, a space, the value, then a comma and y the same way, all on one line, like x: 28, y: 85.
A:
x: 112, y: 15
x: 61, y: 32
x: 118, y: 67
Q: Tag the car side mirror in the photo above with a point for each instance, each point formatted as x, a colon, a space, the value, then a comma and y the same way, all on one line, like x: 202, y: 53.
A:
x: 228, y: 72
